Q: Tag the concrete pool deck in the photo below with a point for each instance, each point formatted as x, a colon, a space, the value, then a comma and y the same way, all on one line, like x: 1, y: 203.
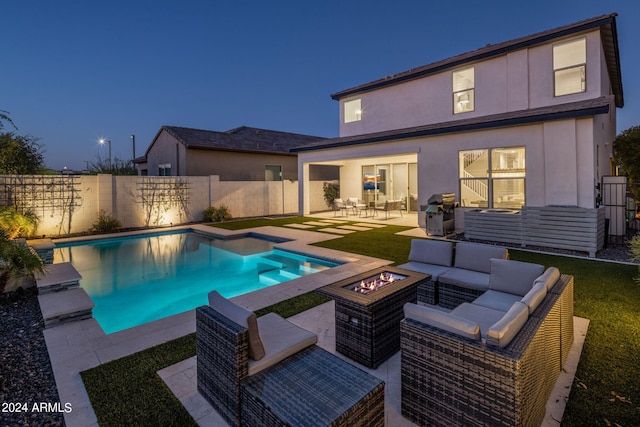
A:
x: 77, y: 346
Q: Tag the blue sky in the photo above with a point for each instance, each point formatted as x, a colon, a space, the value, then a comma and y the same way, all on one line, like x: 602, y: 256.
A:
x: 77, y: 71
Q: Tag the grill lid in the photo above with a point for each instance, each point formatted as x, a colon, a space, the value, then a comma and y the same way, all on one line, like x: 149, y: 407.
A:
x: 442, y: 199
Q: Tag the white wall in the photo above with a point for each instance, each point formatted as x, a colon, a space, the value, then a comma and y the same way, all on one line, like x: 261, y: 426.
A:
x: 560, y: 166
x: 120, y: 196
x: 560, y: 160
x: 515, y: 81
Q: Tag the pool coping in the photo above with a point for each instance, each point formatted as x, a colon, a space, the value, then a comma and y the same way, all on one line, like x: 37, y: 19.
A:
x: 77, y: 346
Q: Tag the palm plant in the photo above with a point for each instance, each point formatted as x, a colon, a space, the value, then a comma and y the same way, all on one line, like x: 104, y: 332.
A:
x: 16, y: 224
x: 18, y: 262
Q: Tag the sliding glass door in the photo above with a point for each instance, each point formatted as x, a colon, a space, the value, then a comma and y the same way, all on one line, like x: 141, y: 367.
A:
x: 397, y: 181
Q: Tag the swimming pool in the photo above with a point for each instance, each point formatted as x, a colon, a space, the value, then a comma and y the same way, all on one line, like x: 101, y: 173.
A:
x: 135, y: 280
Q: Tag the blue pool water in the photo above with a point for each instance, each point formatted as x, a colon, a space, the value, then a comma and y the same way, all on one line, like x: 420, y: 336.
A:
x: 136, y: 280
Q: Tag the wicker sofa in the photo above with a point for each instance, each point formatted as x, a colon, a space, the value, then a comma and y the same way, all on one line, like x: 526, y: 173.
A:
x: 268, y: 371
x: 464, y: 278
x: 493, y: 361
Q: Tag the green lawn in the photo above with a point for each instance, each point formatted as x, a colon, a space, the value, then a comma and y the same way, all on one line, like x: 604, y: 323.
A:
x: 607, y: 386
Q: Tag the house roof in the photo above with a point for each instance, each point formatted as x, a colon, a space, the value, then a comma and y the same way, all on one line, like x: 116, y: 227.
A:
x: 577, y: 109
x: 609, y: 35
x: 240, y: 139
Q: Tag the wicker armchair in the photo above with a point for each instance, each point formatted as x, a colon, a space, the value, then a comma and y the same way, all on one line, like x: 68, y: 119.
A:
x: 229, y: 349
x: 277, y: 376
x: 448, y: 379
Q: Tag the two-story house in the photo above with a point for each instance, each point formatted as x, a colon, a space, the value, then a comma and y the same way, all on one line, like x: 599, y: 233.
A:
x: 525, y: 122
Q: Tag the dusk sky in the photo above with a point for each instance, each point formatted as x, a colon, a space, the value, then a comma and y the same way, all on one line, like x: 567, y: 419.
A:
x: 77, y: 71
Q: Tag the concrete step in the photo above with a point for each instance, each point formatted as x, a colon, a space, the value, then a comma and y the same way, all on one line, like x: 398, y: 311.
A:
x: 44, y: 248
x: 66, y: 306
x: 274, y: 277
x: 58, y: 277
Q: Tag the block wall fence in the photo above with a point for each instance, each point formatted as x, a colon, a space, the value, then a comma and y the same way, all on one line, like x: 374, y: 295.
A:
x: 70, y: 204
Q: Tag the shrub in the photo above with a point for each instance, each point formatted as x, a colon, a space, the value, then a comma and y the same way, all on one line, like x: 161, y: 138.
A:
x: 105, y: 223
x: 331, y: 192
x: 15, y: 223
x: 216, y: 214
x: 17, y: 263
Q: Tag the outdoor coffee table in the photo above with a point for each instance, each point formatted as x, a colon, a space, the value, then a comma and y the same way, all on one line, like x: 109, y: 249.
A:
x: 313, y: 388
x: 368, y: 320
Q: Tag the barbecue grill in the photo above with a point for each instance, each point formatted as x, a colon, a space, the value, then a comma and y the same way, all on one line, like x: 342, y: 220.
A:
x: 440, y: 214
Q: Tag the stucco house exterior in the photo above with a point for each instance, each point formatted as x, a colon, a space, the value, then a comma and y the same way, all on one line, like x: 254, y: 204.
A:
x: 239, y: 154
x: 529, y: 122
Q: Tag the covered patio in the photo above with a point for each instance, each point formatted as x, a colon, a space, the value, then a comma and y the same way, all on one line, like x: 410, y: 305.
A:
x: 379, y: 176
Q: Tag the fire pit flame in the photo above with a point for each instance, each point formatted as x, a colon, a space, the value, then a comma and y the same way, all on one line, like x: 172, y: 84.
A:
x: 374, y: 283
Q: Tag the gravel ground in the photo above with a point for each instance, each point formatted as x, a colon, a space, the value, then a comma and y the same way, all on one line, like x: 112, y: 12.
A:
x: 25, y: 371
x: 26, y: 378
x: 613, y: 252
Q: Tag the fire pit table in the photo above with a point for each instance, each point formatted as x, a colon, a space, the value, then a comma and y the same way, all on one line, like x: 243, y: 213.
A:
x: 369, y: 311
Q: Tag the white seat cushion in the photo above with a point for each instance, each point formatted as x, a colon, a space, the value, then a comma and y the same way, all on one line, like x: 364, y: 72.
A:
x: 431, y: 252
x: 503, y: 331
x: 281, y: 339
x: 242, y: 317
x: 434, y: 270
x: 483, y: 316
x: 549, y: 277
x: 514, y: 277
x: 465, y: 279
x: 497, y: 300
x: 534, y: 297
x: 442, y: 320
x: 476, y: 257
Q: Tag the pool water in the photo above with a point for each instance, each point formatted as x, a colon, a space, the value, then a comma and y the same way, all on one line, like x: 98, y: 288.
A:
x: 136, y: 280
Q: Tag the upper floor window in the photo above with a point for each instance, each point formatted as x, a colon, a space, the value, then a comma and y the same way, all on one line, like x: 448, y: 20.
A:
x: 569, y: 67
x: 463, y: 93
x: 352, y: 110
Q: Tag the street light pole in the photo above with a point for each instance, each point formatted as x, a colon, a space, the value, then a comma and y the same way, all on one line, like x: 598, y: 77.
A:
x: 102, y: 141
x: 133, y: 139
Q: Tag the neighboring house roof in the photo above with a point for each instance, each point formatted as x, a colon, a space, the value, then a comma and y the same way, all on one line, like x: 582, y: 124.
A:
x: 577, y: 109
x: 240, y: 139
x: 609, y: 35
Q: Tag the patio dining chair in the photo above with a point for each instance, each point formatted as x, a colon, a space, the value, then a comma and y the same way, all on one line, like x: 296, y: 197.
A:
x: 340, y: 206
x: 357, y: 206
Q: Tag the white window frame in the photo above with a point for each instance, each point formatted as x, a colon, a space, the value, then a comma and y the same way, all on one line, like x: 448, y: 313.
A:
x: 352, y: 110
x: 463, y: 94
x: 579, y: 66
x: 492, y: 175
